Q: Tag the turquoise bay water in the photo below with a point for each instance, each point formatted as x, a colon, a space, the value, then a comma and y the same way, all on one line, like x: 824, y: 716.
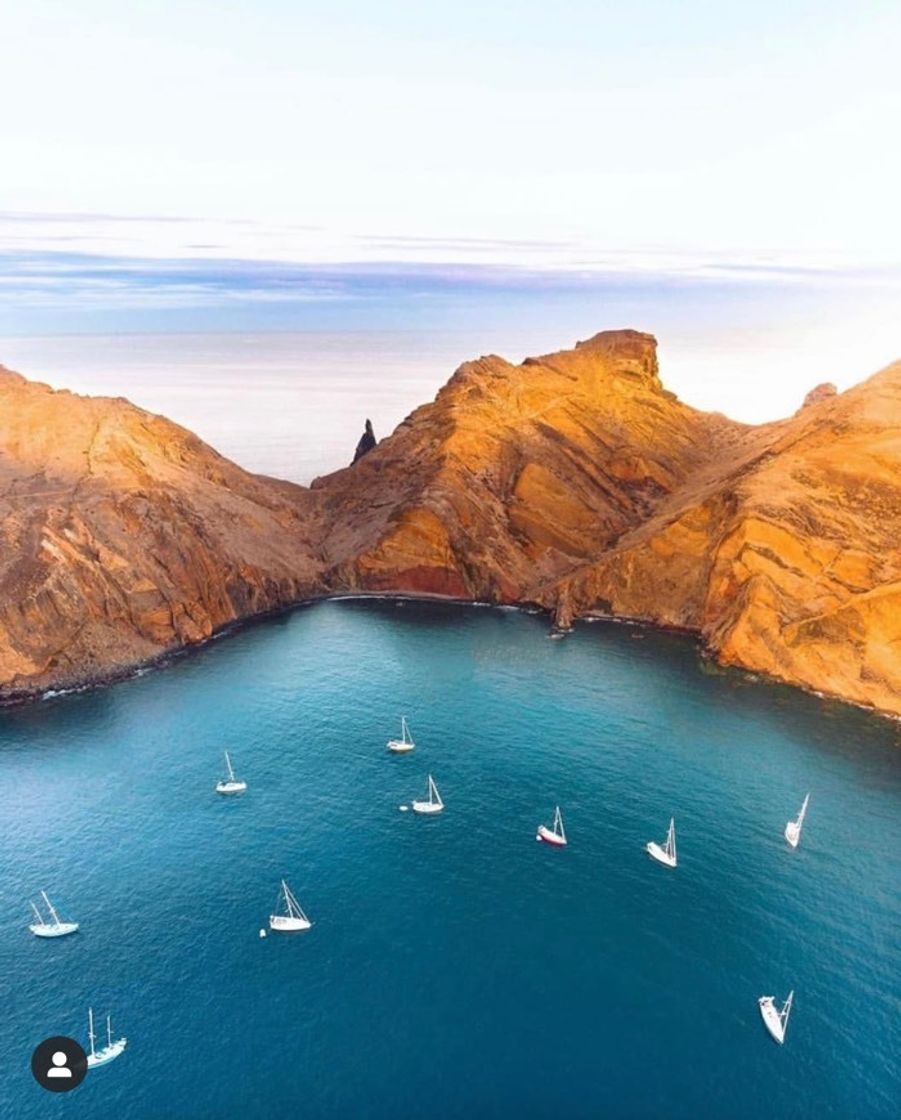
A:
x: 456, y: 967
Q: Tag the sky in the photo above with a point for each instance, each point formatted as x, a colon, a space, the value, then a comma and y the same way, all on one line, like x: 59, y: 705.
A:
x: 284, y: 165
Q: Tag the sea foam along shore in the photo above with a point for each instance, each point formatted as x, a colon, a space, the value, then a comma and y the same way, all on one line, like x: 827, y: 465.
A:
x: 89, y: 682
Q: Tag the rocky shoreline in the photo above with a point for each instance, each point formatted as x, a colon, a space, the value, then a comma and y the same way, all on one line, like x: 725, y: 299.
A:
x: 11, y: 698
x: 575, y: 482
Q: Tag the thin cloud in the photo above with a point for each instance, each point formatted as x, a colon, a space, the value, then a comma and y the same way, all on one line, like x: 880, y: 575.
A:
x: 111, y: 284
x: 479, y: 243
x: 86, y: 217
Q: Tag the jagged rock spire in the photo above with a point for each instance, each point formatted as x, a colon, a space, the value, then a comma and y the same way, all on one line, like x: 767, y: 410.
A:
x: 367, y: 442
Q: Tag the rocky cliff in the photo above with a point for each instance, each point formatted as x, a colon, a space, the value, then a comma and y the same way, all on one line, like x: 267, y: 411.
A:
x: 122, y: 536
x: 515, y: 475
x: 574, y: 480
x: 577, y: 481
x: 784, y: 555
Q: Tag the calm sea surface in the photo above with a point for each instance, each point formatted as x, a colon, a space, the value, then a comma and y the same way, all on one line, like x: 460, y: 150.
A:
x: 287, y: 404
x: 456, y: 968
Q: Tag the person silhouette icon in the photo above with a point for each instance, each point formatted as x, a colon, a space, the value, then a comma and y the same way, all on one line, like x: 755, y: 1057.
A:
x: 59, y: 1067
x: 59, y: 1064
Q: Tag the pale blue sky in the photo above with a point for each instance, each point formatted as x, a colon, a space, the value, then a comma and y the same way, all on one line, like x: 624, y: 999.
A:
x: 767, y: 127
x: 576, y: 165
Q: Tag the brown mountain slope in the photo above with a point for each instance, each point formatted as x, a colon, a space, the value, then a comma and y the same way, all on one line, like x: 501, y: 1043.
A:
x: 574, y: 480
x: 515, y: 475
x: 787, y: 561
x: 123, y: 535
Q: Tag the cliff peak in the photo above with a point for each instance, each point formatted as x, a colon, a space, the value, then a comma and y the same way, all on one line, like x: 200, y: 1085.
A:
x: 628, y: 354
x: 823, y: 392
x: 622, y: 339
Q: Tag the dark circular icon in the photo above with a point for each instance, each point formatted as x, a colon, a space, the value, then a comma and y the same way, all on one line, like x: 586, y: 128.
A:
x: 59, y: 1064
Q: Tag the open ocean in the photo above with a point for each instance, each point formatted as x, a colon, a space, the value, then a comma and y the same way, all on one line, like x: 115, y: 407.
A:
x: 456, y: 968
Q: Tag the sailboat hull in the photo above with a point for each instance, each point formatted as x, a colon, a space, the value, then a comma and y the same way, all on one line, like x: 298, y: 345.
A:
x: 771, y: 1019
x: 655, y: 851
x: 45, y: 930
x: 107, y: 1054
x: 548, y: 836
x: 398, y: 746
x: 282, y: 923
x: 231, y: 787
x: 793, y: 833
x: 426, y: 807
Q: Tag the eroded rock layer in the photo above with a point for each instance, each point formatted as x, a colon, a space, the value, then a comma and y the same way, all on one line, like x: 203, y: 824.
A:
x: 122, y: 536
x: 574, y: 480
x: 788, y: 561
x: 516, y: 475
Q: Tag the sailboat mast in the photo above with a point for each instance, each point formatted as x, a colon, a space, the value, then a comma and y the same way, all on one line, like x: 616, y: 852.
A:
x: 228, y: 764
x: 109, y: 1030
x: 53, y: 913
x: 37, y: 914
x: 91, y: 1028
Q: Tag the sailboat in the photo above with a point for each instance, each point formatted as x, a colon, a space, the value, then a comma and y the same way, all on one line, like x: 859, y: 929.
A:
x: 554, y: 835
x: 294, y: 920
x: 405, y: 742
x: 793, y: 828
x: 776, y: 1021
x: 231, y: 784
x: 54, y: 927
x: 667, y: 853
x: 111, y: 1050
x: 434, y: 803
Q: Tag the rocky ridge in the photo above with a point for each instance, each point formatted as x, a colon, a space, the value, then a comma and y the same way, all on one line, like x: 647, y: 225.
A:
x: 574, y: 480
x: 123, y: 536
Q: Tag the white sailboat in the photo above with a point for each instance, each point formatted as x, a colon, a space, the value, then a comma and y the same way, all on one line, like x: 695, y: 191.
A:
x: 665, y: 854
x: 231, y: 784
x: 554, y: 835
x: 793, y: 828
x: 776, y: 1021
x: 111, y: 1050
x: 434, y: 803
x: 54, y: 927
x: 405, y: 742
x: 294, y: 920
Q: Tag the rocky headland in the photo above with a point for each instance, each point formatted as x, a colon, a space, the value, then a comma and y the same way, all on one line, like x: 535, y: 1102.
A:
x: 574, y: 481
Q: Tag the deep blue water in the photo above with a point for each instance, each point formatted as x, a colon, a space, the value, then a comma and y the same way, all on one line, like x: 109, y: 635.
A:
x: 456, y: 967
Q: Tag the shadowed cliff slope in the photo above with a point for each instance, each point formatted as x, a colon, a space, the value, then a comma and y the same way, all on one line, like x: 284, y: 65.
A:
x: 574, y: 480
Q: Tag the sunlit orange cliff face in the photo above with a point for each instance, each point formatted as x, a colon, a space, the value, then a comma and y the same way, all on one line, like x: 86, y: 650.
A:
x: 575, y: 481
